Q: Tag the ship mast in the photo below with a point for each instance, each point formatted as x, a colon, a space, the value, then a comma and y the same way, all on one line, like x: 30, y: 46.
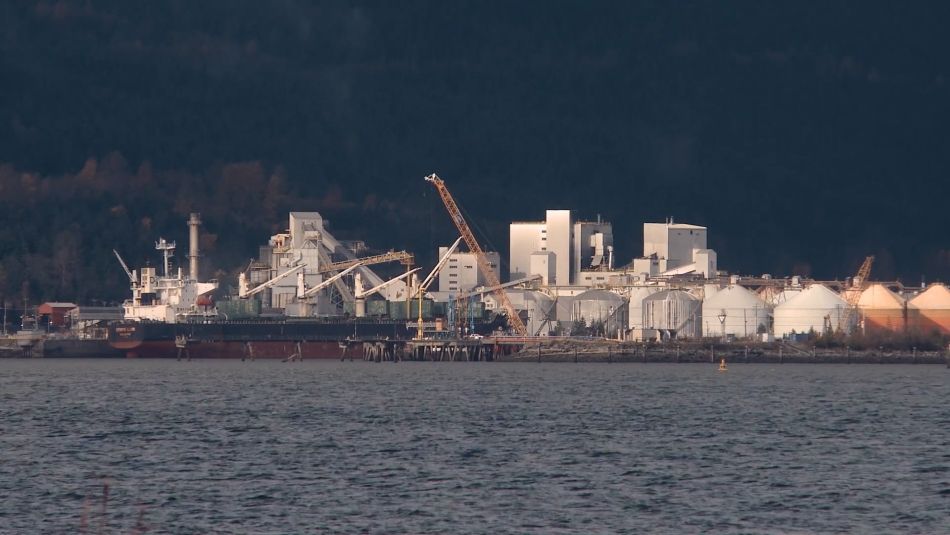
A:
x: 166, y: 247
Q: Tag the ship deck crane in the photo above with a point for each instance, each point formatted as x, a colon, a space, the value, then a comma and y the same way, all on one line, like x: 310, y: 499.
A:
x: 424, y: 285
x: 244, y: 291
x: 362, y: 295
x: 125, y: 267
x: 312, y: 291
x: 853, y: 294
x: 513, y: 318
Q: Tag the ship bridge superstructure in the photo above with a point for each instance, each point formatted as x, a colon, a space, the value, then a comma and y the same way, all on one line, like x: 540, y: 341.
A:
x: 170, y: 296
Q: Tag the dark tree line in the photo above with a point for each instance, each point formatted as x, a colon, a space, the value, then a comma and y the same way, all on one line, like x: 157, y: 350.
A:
x: 57, y: 232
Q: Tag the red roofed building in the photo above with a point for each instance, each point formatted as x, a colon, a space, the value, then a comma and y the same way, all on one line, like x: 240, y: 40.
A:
x: 56, y: 312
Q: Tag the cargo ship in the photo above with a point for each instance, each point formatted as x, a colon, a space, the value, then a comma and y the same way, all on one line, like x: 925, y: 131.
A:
x: 173, y: 315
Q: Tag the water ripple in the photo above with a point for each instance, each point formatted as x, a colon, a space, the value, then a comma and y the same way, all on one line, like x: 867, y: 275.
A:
x: 268, y: 447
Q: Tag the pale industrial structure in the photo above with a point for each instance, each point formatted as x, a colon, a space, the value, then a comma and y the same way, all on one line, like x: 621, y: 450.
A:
x: 559, y: 248
x: 461, y: 273
x: 675, y: 249
x: 306, y: 249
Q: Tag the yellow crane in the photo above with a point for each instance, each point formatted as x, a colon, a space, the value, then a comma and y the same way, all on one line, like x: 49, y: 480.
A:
x: 853, y: 294
x: 483, y: 265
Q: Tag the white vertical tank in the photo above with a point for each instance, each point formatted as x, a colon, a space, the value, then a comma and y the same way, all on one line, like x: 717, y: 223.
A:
x: 674, y: 312
x: 635, y: 304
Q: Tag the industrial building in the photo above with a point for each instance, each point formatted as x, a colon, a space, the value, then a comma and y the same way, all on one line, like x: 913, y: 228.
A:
x: 675, y: 249
x: 559, y: 248
x: 461, y: 273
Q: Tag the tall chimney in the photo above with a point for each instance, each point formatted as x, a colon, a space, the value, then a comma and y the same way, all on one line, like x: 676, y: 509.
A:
x: 193, y: 223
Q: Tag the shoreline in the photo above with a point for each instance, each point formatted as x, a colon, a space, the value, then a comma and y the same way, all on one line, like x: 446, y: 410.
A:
x: 597, y: 351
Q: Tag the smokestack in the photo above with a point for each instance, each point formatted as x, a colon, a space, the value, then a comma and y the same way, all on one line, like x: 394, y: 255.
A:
x: 193, y: 223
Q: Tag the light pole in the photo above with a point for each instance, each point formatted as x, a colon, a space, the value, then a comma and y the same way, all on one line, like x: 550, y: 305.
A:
x: 722, y: 324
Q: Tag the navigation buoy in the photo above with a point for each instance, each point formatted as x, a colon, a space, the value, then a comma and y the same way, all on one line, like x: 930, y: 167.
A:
x: 722, y: 365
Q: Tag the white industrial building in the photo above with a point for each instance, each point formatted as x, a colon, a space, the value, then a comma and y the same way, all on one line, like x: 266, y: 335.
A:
x: 675, y: 249
x: 461, y: 272
x: 559, y: 248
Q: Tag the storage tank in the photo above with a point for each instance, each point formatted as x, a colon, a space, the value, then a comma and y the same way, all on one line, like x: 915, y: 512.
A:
x: 882, y: 309
x: 815, y: 308
x: 933, y: 307
x: 597, y: 305
x: 675, y: 312
x: 635, y: 304
x: 538, y: 306
x: 741, y: 311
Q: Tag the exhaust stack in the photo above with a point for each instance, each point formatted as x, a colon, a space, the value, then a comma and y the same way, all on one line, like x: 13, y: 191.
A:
x: 193, y: 223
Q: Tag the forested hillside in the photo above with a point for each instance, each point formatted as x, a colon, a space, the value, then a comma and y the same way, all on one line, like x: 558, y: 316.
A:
x: 58, y: 232
x: 804, y: 136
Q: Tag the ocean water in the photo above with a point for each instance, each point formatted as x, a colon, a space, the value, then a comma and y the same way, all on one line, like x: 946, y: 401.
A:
x: 355, y: 447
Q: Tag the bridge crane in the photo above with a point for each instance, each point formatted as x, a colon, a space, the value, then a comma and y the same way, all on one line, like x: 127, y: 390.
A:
x: 513, y: 318
x: 853, y: 294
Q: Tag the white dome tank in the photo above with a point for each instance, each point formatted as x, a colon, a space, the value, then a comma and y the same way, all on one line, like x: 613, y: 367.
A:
x: 736, y: 311
x: 815, y: 308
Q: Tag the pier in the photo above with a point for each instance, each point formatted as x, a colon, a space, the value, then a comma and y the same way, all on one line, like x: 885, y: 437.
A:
x: 431, y: 350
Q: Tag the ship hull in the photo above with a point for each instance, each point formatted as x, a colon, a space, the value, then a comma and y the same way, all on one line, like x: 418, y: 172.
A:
x: 251, y: 340
x: 251, y: 350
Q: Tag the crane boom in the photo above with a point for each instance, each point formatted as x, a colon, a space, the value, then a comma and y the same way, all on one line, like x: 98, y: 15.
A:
x: 391, y: 256
x: 853, y: 294
x: 513, y: 318
x: 438, y: 267
x: 482, y: 291
x: 125, y: 267
x: 245, y: 291
x: 360, y: 294
x: 329, y: 281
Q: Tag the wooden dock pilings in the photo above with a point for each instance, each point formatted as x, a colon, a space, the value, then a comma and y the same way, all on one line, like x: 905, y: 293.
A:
x: 466, y: 350
x: 512, y: 350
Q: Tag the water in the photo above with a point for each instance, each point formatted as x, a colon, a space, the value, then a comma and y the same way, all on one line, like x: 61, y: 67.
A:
x: 325, y: 446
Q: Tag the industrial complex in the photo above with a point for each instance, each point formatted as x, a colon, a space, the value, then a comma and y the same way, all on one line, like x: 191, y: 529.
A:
x: 560, y: 278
